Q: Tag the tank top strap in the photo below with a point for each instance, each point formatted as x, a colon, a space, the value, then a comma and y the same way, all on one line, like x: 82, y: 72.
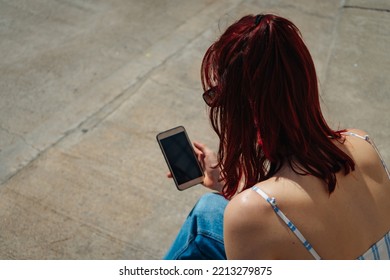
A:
x: 291, y: 226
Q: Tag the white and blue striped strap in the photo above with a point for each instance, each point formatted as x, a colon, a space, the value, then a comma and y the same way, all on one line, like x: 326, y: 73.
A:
x: 287, y: 221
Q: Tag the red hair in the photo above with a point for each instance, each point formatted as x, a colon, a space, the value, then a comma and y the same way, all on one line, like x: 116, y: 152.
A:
x: 267, y: 110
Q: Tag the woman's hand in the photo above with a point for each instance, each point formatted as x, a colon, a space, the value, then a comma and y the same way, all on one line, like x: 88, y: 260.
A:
x: 208, y: 161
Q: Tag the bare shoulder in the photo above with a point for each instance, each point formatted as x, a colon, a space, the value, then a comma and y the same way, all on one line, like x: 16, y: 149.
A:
x: 366, y: 157
x: 244, y: 208
x: 357, y: 131
x: 361, y: 150
x: 247, y: 217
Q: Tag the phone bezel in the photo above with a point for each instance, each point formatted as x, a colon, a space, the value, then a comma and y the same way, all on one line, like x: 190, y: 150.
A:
x: 169, y: 133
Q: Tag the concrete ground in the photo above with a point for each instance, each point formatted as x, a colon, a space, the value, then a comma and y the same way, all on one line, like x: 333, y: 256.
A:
x: 86, y: 85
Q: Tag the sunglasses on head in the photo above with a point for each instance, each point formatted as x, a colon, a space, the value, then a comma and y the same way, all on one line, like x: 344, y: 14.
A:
x: 209, y: 96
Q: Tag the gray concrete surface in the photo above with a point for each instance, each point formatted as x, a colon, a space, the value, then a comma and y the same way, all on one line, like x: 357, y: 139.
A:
x: 86, y: 85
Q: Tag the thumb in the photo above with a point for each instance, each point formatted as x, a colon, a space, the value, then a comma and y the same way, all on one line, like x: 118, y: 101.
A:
x: 201, y: 147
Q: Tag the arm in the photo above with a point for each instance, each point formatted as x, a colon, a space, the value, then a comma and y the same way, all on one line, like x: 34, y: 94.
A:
x: 247, y: 225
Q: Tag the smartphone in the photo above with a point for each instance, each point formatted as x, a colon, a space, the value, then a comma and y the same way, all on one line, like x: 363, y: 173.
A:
x: 180, y: 157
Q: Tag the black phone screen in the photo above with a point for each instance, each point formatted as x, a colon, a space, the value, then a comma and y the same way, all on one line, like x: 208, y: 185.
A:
x: 181, y: 158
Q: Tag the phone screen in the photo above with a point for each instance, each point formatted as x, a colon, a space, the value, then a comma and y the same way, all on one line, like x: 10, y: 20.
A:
x: 181, y: 159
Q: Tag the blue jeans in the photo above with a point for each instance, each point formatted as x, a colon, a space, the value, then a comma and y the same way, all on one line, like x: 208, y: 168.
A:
x: 201, y: 236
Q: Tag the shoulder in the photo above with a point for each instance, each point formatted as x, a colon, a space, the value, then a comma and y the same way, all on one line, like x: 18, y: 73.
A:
x: 364, y: 153
x: 355, y: 140
x: 358, y: 145
x: 357, y: 131
x: 243, y: 208
x: 248, y: 216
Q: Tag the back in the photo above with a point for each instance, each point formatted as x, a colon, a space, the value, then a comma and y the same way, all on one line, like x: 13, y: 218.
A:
x: 343, y: 225
x: 369, y: 188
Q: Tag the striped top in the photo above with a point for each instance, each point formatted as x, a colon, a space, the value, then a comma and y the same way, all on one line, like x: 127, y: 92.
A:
x: 378, y: 251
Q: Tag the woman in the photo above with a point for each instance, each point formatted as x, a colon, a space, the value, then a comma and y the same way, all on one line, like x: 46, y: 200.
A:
x: 292, y: 187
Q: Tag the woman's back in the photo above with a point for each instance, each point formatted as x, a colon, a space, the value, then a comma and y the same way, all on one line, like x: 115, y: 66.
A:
x: 342, y: 225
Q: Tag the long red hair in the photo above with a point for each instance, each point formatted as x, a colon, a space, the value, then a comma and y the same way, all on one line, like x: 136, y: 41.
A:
x: 266, y: 110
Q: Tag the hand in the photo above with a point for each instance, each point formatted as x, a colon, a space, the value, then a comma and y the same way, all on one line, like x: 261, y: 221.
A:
x: 208, y: 161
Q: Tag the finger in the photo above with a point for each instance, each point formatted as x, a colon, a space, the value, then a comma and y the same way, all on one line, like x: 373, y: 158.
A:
x: 197, y: 151
x: 169, y: 175
x: 201, y: 147
x: 204, y: 149
x: 201, y: 161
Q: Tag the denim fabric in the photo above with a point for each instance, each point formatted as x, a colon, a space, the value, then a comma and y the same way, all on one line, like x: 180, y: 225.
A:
x: 201, y: 236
